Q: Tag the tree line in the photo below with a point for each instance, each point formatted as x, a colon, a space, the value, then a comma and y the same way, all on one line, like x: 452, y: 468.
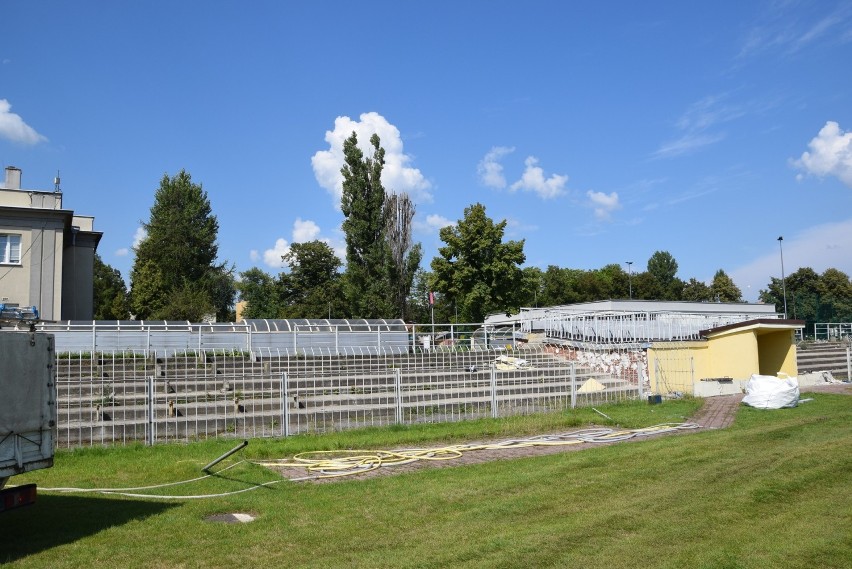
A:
x: 176, y: 274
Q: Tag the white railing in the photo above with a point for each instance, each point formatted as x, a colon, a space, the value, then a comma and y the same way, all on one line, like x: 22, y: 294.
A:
x: 832, y: 330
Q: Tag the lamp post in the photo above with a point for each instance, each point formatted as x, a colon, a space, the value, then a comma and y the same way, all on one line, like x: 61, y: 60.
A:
x: 783, y: 281
x: 630, y: 278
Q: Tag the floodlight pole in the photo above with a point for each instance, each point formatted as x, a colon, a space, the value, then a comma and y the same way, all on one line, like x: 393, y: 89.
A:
x: 630, y: 277
x: 783, y: 281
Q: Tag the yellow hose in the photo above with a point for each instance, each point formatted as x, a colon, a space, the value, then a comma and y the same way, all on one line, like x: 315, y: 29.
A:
x: 335, y: 463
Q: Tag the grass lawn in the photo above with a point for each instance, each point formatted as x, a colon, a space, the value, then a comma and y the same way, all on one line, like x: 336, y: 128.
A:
x: 774, y: 490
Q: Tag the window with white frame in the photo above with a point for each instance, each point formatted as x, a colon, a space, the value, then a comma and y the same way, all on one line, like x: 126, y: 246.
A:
x: 10, y: 249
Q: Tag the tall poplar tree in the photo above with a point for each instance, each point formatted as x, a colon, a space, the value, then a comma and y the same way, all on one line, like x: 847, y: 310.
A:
x: 366, y: 283
x: 380, y: 258
x: 175, y: 274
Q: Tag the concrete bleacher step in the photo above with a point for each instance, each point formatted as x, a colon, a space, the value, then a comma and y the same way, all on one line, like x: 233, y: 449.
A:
x: 101, y: 398
x: 828, y: 356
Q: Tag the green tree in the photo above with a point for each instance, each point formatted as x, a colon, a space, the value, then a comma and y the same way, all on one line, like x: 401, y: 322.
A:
x: 696, y: 291
x: 367, y: 281
x: 176, y: 262
x: 559, y: 286
x: 663, y: 267
x: 835, y: 290
x: 418, y: 298
x: 312, y: 288
x: 475, y: 269
x: 812, y: 297
x: 261, y: 293
x: 148, y: 292
x: 110, y: 293
x: 533, y: 286
x: 647, y: 287
x: 188, y: 302
x: 615, y: 281
x: 723, y: 288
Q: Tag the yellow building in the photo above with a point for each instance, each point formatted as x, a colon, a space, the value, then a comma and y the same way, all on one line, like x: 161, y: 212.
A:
x: 725, y: 358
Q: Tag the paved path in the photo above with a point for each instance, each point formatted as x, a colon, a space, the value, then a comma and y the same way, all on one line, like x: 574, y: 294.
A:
x: 718, y: 412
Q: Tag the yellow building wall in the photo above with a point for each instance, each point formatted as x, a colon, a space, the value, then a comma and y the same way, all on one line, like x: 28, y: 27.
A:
x: 675, y: 366
x: 733, y: 355
x: 777, y: 353
x: 737, y: 354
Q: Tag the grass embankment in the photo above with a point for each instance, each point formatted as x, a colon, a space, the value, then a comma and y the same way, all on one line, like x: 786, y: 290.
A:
x: 772, y: 491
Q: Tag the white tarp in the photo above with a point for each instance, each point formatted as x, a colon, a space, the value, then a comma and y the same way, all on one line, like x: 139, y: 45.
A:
x: 769, y: 392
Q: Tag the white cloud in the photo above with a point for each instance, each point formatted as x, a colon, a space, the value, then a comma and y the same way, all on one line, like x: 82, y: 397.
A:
x: 820, y: 247
x: 438, y: 221
x: 139, y: 236
x: 533, y: 180
x: 304, y: 231
x: 397, y: 175
x: 13, y: 127
x: 701, y: 117
x: 272, y: 257
x: 432, y: 224
x: 786, y: 33
x: 603, y: 204
x: 123, y: 252
x: 830, y: 154
x: 686, y: 144
x: 490, y: 170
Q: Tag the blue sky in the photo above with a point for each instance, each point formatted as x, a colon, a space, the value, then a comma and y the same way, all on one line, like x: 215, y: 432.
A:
x: 601, y: 131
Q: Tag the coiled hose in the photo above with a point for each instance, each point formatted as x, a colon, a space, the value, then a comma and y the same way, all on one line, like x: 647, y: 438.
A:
x: 336, y: 463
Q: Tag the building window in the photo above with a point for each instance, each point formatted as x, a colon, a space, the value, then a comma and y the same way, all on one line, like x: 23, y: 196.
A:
x: 10, y: 249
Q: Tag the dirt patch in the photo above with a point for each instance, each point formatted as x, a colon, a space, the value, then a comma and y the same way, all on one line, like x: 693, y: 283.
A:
x: 716, y: 413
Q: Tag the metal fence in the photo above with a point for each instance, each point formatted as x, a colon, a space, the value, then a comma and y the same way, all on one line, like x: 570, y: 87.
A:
x: 832, y: 330
x: 125, y: 397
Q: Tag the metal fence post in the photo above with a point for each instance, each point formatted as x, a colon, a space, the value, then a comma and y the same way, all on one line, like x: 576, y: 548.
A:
x: 150, y: 403
x: 848, y: 364
x: 397, y: 376
x: 692, y: 373
x: 573, y: 385
x: 285, y: 406
x: 494, y: 411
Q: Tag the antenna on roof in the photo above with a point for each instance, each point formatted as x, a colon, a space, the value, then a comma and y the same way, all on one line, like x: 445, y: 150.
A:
x: 56, y: 183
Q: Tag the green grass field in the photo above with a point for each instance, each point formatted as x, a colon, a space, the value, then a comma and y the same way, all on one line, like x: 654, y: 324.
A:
x: 774, y: 490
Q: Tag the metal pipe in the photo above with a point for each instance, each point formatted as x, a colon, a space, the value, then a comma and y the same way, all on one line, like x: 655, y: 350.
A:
x: 242, y: 445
